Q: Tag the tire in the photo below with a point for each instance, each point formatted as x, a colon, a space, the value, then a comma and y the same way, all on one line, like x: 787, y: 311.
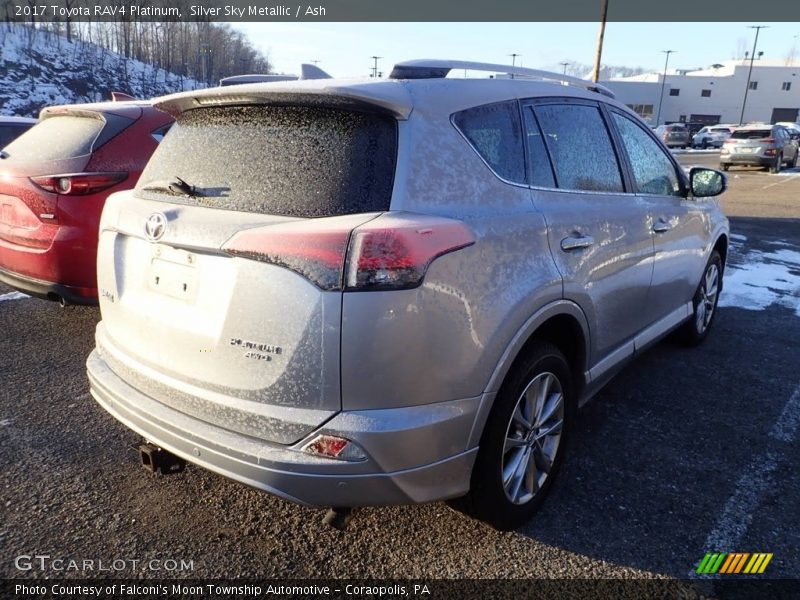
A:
x: 704, y: 145
x: 505, y: 496
x: 725, y: 167
x: 696, y: 329
x: 776, y: 167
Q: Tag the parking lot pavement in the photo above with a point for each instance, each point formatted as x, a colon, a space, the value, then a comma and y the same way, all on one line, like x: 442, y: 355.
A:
x: 752, y: 191
x: 685, y: 452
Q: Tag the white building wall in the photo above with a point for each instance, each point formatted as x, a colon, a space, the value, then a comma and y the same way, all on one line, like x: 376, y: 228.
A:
x: 727, y: 93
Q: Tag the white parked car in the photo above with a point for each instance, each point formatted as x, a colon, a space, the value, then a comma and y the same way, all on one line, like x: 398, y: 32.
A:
x: 711, y: 137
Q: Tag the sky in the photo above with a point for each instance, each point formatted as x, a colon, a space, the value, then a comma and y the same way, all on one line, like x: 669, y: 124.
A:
x: 344, y: 49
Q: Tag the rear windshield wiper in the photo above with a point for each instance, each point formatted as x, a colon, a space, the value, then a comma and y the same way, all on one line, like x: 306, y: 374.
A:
x: 3, y: 154
x: 175, y: 186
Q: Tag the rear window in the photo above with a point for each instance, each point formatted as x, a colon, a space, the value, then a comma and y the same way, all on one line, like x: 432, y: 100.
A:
x: 57, y: 138
x: 9, y: 132
x: 751, y: 134
x: 282, y: 160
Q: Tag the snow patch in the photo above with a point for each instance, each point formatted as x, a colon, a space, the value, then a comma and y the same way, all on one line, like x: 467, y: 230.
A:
x: 756, y: 279
x: 13, y: 296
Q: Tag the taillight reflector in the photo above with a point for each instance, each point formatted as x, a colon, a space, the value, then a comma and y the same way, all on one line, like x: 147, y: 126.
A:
x: 78, y: 184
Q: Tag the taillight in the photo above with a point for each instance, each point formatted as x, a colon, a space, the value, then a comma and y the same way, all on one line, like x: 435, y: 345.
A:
x: 394, y: 251
x: 78, y: 184
x: 313, y: 248
x: 768, y: 140
x: 390, y: 252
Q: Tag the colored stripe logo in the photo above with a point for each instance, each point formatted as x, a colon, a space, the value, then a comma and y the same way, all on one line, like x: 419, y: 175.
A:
x: 734, y: 562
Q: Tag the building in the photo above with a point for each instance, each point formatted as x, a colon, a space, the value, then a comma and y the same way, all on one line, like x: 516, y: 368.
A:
x: 715, y: 95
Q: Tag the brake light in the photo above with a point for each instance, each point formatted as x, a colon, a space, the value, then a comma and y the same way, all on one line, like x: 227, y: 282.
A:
x: 394, y: 252
x: 314, y: 251
x: 78, y: 184
x: 768, y: 140
x: 390, y: 252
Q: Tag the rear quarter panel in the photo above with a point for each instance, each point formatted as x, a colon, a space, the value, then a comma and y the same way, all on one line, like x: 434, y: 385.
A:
x: 445, y: 339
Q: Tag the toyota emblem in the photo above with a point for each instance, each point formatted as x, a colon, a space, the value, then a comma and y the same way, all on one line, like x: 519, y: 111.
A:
x: 155, y: 227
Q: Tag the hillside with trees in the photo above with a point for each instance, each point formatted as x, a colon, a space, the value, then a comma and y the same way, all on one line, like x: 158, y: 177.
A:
x: 57, y: 63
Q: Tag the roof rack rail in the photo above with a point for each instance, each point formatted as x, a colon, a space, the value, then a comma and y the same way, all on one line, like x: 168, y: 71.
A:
x: 438, y: 69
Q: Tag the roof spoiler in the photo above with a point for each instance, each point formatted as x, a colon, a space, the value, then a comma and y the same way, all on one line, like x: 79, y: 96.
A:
x: 121, y: 97
x: 438, y: 69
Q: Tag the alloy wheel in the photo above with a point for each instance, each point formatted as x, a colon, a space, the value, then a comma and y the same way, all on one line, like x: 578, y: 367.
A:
x: 709, y: 288
x: 533, y: 438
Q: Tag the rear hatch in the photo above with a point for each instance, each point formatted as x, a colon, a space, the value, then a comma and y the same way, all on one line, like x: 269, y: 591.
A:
x: 221, y: 275
x: 750, y: 141
x: 60, y: 144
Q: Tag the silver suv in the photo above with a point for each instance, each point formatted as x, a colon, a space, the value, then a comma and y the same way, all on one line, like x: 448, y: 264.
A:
x: 768, y: 146
x: 395, y: 291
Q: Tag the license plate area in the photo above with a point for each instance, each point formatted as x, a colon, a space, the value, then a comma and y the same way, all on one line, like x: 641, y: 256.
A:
x: 173, y: 273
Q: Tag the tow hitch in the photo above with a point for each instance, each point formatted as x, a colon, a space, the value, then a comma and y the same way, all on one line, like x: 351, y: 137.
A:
x: 159, y: 461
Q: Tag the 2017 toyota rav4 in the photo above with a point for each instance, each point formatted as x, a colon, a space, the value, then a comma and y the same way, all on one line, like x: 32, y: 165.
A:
x: 356, y: 293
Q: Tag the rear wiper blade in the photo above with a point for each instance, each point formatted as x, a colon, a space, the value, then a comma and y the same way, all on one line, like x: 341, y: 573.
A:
x: 176, y: 186
x: 4, y: 154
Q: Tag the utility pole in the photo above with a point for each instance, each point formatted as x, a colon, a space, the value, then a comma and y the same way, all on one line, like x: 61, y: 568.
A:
x: 599, y: 52
x: 564, y: 64
x: 375, y: 65
x: 514, y: 56
x: 758, y: 28
x: 663, y: 81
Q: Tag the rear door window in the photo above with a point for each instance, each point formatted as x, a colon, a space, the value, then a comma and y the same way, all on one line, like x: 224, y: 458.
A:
x: 495, y: 132
x: 59, y: 137
x: 580, y: 147
x: 540, y: 172
x: 294, y: 161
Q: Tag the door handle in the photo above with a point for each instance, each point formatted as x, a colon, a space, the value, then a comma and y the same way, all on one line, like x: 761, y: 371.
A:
x: 661, y: 226
x: 576, y: 242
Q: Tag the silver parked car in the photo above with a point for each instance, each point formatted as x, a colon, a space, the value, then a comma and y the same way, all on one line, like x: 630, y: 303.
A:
x: 395, y: 291
x: 768, y: 146
x: 674, y: 135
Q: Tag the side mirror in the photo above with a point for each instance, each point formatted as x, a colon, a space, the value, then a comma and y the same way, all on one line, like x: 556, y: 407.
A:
x: 706, y: 182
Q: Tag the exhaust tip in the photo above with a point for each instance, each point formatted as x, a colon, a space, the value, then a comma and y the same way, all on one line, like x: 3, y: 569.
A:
x: 57, y: 298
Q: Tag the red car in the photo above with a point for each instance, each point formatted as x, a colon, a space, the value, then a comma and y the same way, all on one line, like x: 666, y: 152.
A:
x: 54, y: 180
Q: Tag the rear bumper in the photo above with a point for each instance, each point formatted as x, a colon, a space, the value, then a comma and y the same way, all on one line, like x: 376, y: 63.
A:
x: 747, y: 159
x: 302, y: 478
x: 66, y: 267
x: 49, y: 290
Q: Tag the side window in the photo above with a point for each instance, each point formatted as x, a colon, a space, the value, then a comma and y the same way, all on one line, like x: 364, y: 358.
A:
x: 653, y: 171
x: 495, y: 132
x: 540, y: 173
x: 580, y: 147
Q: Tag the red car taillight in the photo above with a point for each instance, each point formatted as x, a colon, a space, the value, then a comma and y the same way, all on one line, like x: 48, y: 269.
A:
x: 391, y: 252
x: 78, y: 184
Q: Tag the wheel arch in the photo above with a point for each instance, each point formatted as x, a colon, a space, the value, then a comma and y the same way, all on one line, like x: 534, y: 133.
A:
x: 561, y: 323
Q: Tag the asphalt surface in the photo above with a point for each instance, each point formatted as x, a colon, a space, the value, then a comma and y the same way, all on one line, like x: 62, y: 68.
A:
x: 686, y: 451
